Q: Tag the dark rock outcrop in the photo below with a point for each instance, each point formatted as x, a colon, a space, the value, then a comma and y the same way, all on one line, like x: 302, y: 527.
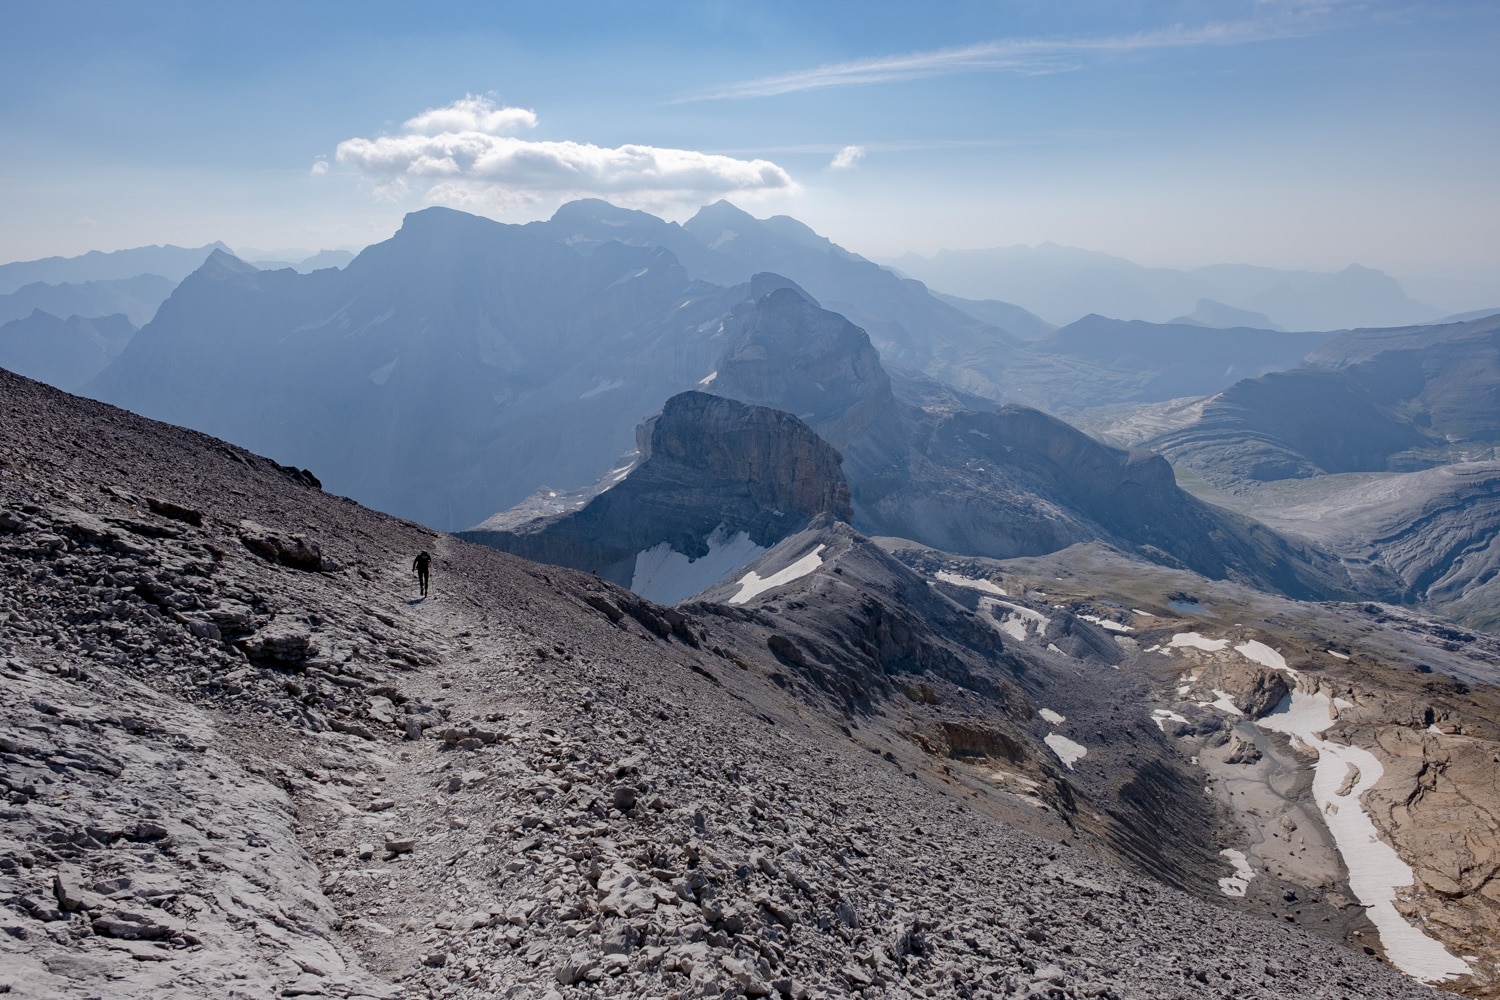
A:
x: 711, y: 464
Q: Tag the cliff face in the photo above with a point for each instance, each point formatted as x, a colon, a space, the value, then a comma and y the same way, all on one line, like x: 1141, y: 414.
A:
x: 788, y: 353
x: 1000, y: 483
x: 777, y: 458
x: 713, y: 464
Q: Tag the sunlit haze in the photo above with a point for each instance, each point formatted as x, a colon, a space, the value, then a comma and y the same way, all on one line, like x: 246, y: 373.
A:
x: 1281, y: 133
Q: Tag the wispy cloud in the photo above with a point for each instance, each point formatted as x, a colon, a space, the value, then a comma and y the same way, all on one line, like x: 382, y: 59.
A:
x: 1017, y: 55
x: 848, y: 158
x: 460, y: 154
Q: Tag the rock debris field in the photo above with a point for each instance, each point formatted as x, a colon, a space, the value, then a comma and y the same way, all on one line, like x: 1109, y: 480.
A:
x: 240, y: 759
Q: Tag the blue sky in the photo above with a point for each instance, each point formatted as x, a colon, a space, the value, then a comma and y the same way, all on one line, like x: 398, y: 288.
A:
x: 1274, y: 132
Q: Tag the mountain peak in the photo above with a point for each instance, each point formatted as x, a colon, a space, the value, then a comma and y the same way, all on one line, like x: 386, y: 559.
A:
x: 766, y: 282
x: 720, y: 214
x: 222, y: 260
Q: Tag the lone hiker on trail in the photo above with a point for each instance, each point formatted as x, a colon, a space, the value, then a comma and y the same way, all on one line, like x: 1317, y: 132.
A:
x: 420, y: 565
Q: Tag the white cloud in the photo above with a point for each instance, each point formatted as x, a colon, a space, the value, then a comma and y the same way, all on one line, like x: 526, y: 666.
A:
x: 471, y: 114
x: 1019, y: 55
x: 320, y: 166
x: 455, y: 155
x: 848, y: 157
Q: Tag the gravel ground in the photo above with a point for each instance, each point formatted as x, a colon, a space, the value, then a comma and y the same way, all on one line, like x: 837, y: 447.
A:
x: 240, y: 759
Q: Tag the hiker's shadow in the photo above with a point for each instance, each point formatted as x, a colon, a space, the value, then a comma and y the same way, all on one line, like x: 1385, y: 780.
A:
x: 415, y: 600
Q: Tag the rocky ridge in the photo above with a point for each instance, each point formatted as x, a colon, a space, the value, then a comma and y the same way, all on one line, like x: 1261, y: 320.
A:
x: 229, y: 774
x: 999, y: 482
x: 708, y: 464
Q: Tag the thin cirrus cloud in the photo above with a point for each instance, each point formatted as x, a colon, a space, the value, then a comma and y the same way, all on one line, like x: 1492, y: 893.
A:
x: 1017, y: 55
x: 463, y: 153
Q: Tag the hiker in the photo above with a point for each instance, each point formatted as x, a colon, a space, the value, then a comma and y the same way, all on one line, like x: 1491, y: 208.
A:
x: 419, y: 566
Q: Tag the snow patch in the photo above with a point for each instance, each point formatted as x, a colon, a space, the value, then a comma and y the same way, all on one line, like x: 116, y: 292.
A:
x: 1192, y: 639
x: 1017, y: 621
x: 1236, y: 884
x: 666, y: 576
x: 1259, y: 652
x: 1067, y: 751
x: 709, y: 378
x: 1376, y: 871
x: 1224, y: 703
x: 1052, y: 716
x: 973, y: 583
x: 753, y: 584
x: 1336, y: 654
x: 1107, y: 624
x: 1161, y: 716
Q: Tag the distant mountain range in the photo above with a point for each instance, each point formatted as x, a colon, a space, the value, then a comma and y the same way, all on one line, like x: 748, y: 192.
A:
x: 65, y: 353
x: 136, y: 298
x: 1062, y: 284
x: 465, y: 366
x: 172, y: 263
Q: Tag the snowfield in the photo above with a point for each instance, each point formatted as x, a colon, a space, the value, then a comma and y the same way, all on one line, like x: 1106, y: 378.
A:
x: 752, y: 584
x: 666, y: 576
x: 1375, y: 870
x: 1160, y: 716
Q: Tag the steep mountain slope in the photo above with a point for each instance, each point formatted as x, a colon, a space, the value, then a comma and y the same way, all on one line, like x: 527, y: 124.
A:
x: 63, y: 353
x: 219, y: 708
x: 1000, y: 483
x: 1223, y: 317
x: 719, y: 483
x: 1008, y: 317
x: 1369, y: 401
x: 442, y: 375
x: 727, y: 246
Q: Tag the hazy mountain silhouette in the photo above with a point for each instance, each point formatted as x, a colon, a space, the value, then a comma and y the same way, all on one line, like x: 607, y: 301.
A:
x: 171, y: 262
x: 137, y: 298
x: 727, y: 246
x: 1222, y: 317
x: 64, y: 353
x: 443, y: 374
x: 1099, y: 362
x: 1063, y: 284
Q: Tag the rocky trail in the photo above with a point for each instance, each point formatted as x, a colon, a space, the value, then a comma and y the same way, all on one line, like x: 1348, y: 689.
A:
x: 238, y: 760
